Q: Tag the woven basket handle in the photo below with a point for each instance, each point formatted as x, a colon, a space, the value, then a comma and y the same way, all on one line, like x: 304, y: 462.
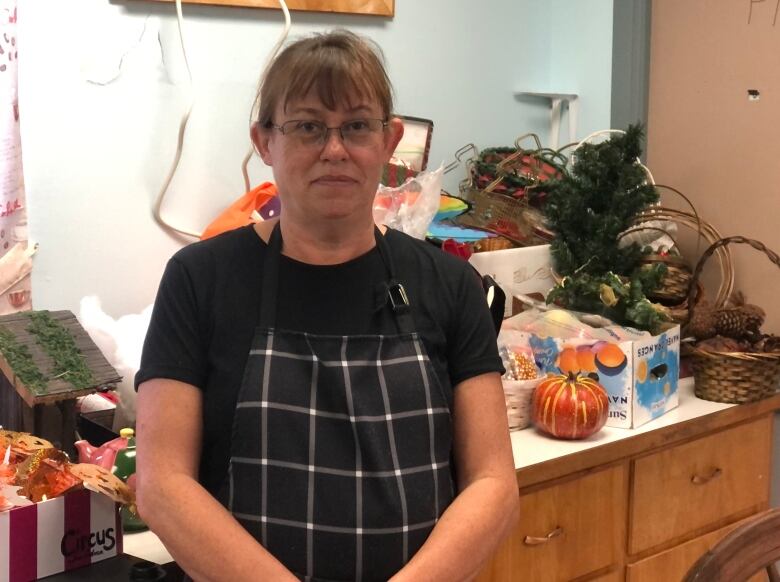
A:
x: 759, y: 246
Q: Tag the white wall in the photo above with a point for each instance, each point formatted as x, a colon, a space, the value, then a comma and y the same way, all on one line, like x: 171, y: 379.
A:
x: 96, y: 155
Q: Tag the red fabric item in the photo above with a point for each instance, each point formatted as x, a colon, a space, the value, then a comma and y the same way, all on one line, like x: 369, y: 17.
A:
x: 453, y: 247
x: 240, y: 212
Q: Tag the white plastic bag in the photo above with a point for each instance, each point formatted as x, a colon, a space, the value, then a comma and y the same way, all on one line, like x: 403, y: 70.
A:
x: 411, y: 206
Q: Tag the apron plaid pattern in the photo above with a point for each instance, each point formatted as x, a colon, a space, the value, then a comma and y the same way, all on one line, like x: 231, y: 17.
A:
x: 340, y: 456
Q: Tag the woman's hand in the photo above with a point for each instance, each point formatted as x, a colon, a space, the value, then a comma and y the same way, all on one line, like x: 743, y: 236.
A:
x: 198, y: 531
x: 486, y: 507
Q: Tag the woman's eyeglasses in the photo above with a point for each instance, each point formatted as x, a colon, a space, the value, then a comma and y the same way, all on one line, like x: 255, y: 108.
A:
x: 357, y: 132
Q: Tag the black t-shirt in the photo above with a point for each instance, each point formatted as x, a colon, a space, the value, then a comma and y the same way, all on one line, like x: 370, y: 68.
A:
x: 207, y: 308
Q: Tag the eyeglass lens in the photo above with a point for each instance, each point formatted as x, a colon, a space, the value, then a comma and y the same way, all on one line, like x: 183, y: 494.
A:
x: 354, y: 132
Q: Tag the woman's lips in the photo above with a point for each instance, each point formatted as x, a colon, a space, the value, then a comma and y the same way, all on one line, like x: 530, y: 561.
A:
x: 335, y: 180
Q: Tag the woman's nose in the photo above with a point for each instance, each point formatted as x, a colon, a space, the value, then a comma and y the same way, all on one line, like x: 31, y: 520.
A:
x: 333, y: 148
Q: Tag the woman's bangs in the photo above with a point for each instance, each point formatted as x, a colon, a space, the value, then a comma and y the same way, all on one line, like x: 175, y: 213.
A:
x: 333, y: 84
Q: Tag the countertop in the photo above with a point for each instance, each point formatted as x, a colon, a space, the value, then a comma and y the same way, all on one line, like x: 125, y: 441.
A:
x: 539, y: 457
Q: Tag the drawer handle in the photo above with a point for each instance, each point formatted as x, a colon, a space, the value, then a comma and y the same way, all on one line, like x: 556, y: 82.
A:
x: 532, y: 541
x: 699, y: 480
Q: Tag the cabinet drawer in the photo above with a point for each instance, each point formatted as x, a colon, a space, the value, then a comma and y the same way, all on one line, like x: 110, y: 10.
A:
x: 674, y: 564
x: 565, y: 531
x: 697, y: 484
x: 612, y: 576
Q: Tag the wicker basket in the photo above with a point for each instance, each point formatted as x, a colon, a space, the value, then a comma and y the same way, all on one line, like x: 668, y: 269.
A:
x: 677, y: 281
x: 518, y: 396
x: 678, y: 276
x: 733, y: 377
x: 500, y: 186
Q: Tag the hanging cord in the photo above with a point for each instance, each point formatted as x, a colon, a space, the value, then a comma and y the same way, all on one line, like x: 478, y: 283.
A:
x: 156, y: 209
x: 274, y: 52
x: 123, y: 56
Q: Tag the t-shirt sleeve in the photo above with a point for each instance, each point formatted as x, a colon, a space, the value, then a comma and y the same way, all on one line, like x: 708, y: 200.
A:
x: 175, y: 346
x: 471, y: 347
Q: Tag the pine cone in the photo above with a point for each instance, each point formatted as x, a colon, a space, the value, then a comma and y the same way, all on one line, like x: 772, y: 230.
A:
x: 740, y: 322
x: 702, y: 324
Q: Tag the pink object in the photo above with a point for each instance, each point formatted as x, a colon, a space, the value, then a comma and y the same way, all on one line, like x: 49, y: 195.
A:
x: 60, y: 534
x: 104, y: 455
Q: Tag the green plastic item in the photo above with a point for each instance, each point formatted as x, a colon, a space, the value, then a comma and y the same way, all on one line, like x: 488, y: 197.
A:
x: 124, y: 468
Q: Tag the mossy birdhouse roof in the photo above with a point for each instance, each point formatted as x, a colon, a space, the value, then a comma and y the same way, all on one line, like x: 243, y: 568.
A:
x: 47, y: 356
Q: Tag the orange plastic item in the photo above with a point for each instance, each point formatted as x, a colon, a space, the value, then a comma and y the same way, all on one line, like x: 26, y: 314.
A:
x: 44, y: 476
x: 240, y: 212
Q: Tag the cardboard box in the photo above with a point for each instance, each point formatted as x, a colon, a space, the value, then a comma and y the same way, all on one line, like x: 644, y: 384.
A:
x: 60, y: 534
x: 640, y: 376
x: 519, y: 271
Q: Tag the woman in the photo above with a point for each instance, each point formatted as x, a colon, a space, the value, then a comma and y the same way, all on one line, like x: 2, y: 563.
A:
x: 320, y: 398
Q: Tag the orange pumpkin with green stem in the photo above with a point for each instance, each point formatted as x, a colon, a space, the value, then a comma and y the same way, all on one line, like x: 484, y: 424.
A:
x: 570, y: 406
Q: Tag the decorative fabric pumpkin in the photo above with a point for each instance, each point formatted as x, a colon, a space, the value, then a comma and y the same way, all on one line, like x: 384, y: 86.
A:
x: 570, y: 406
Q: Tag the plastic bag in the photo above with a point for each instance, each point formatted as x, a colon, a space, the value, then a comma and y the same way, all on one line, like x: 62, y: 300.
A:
x: 410, y: 207
x: 564, y: 324
x: 240, y: 213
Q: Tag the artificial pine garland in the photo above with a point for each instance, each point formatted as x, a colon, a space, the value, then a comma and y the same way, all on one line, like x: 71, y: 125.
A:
x: 588, y: 208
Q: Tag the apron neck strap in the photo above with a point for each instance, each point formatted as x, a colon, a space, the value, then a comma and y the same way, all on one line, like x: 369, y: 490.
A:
x: 267, y: 319
x: 395, y: 293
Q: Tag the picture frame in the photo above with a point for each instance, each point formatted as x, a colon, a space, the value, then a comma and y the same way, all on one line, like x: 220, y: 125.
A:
x: 368, y: 7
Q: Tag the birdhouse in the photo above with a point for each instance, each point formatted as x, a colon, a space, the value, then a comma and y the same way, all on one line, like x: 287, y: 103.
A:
x: 47, y: 361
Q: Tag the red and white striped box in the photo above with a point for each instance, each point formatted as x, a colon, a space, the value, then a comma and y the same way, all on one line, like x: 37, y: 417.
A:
x: 60, y: 534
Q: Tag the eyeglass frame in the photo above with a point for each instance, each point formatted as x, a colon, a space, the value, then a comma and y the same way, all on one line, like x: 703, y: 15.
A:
x: 326, y: 130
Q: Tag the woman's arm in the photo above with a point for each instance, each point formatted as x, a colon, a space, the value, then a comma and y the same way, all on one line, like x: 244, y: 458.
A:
x: 486, y: 506
x: 197, y: 530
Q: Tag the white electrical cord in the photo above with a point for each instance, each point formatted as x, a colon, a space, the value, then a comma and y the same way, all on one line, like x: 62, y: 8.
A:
x: 156, y: 209
x: 277, y: 46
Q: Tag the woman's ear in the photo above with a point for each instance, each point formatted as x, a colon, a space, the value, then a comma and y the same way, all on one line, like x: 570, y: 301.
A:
x: 395, y: 131
x: 260, y: 137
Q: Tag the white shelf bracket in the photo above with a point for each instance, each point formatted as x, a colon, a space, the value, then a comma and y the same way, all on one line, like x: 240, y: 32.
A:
x: 556, y: 113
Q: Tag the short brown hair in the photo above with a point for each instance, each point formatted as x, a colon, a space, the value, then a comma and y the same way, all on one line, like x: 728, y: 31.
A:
x: 337, y: 65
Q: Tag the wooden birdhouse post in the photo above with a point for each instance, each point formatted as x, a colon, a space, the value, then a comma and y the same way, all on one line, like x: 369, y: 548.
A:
x: 47, y: 361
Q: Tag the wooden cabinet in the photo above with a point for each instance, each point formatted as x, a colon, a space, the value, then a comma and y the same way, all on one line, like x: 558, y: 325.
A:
x: 642, y: 509
x: 567, y: 530
x: 691, y: 486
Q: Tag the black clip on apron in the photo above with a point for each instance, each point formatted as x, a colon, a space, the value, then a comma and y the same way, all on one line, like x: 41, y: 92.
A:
x: 340, y: 457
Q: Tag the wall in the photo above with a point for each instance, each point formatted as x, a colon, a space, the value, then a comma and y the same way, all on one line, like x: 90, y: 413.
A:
x: 96, y: 155
x: 707, y: 139
x: 574, y: 39
x: 581, y: 60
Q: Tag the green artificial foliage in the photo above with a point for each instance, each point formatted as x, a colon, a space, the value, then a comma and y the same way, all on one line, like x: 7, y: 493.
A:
x: 58, y: 343
x: 588, y: 208
x: 21, y: 361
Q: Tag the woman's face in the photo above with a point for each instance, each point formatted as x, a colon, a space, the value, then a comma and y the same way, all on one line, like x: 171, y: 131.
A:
x: 330, y: 180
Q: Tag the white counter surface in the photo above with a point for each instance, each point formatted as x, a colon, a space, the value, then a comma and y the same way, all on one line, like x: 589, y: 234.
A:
x: 147, y: 546
x: 531, y: 447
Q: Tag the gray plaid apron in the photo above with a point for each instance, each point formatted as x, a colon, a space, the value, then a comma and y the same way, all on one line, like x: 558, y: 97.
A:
x: 340, y: 454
